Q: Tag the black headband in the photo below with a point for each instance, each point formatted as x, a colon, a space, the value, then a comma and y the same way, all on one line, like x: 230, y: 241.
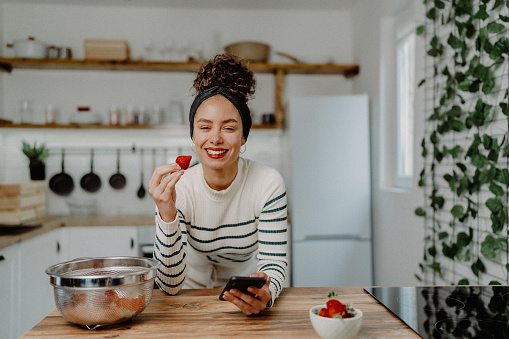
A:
x: 238, y: 102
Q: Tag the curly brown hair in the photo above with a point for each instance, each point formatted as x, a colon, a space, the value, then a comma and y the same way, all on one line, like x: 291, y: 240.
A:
x: 227, y: 71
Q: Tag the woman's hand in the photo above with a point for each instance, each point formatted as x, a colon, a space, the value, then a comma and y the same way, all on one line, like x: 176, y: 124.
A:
x: 248, y: 304
x: 163, y: 190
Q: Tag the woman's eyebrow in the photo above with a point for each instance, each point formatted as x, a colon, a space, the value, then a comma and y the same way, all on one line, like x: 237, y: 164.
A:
x: 227, y: 121
x: 207, y: 121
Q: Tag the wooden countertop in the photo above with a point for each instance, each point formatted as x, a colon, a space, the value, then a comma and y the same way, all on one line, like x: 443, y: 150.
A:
x: 13, y: 235
x: 199, y: 314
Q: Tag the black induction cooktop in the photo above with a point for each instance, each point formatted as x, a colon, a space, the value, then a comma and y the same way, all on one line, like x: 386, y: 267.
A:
x: 449, y: 311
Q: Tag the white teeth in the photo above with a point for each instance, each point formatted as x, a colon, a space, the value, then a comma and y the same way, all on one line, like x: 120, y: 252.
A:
x: 215, y: 152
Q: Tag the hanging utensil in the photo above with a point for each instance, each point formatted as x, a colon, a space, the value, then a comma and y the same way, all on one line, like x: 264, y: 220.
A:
x: 141, y: 190
x: 62, y: 183
x: 91, y: 181
x: 117, y: 180
x: 289, y: 56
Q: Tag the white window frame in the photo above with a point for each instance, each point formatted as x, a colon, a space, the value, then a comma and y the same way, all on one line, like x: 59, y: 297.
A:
x: 405, y: 97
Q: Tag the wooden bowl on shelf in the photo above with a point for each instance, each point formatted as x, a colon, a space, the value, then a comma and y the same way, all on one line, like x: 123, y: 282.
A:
x: 249, y: 50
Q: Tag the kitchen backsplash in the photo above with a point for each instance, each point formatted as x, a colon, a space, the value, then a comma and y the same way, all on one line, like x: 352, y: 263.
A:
x: 159, y: 147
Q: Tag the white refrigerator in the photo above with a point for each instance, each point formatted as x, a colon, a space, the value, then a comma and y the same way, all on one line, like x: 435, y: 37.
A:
x: 330, y: 191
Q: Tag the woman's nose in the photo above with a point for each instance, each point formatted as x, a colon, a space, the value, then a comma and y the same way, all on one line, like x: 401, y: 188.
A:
x: 216, y: 137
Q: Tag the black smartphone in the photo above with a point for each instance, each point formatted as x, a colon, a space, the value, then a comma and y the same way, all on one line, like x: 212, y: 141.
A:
x: 242, y: 283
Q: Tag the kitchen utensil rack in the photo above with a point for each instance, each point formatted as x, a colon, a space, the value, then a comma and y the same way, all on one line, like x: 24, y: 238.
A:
x: 85, y: 150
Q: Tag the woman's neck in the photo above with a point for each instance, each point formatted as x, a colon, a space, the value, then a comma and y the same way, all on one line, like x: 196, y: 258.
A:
x: 220, y: 179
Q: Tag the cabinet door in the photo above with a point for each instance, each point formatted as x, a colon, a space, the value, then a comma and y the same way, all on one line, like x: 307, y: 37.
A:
x: 8, y: 292
x: 102, y: 241
x: 351, y: 264
x: 35, y: 292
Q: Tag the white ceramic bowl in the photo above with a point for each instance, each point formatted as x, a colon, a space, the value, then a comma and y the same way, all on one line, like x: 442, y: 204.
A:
x: 85, y: 118
x: 335, y: 328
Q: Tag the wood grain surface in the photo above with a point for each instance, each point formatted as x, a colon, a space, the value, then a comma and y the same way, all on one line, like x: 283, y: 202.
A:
x: 200, y: 314
x: 13, y: 235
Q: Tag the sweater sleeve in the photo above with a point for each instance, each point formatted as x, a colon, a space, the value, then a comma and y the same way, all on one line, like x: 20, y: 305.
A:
x: 273, y: 234
x: 169, y: 250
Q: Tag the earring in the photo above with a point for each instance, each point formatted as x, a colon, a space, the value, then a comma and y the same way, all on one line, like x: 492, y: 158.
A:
x: 192, y: 147
x: 245, y: 148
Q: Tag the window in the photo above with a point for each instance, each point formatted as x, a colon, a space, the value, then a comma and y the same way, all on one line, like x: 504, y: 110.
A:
x: 405, y: 90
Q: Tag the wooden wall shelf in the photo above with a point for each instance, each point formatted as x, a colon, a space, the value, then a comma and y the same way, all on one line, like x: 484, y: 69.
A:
x: 9, y: 64
x: 279, y: 71
x: 6, y: 124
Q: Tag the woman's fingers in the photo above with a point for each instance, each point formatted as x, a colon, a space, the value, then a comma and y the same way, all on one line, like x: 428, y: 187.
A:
x: 244, y: 302
x: 248, y: 303
x: 160, y: 172
x: 162, y: 189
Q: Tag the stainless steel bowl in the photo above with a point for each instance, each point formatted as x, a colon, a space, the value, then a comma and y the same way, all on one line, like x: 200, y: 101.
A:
x: 102, y: 291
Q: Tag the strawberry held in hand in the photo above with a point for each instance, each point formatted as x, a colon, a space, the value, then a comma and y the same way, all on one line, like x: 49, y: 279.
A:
x: 183, y: 161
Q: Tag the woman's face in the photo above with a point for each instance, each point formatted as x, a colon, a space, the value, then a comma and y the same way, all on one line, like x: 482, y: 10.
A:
x: 217, y: 134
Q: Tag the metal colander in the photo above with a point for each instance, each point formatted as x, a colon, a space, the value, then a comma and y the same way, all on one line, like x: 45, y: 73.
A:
x: 102, y: 291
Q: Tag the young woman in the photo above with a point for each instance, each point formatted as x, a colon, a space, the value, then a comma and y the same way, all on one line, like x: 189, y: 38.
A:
x: 227, y: 215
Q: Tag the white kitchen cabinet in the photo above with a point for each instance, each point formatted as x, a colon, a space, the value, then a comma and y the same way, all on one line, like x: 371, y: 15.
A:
x: 101, y: 241
x: 8, y: 291
x: 35, y: 293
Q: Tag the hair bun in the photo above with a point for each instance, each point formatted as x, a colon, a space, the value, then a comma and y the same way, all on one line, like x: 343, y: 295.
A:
x: 226, y: 71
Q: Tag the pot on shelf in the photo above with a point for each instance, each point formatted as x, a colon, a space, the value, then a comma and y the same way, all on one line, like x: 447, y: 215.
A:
x: 29, y: 48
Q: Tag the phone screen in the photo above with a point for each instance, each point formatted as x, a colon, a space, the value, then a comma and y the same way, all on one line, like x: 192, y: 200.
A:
x: 242, y: 283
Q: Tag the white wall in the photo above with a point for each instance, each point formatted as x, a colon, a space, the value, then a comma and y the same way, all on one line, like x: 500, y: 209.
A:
x: 311, y: 35
x: 398, y: 233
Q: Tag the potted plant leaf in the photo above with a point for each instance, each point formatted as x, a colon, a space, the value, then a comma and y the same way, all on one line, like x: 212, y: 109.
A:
x: 36, y: 155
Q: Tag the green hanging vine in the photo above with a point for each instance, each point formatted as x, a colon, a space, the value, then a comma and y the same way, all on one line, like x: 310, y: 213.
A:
x: 466, y: 148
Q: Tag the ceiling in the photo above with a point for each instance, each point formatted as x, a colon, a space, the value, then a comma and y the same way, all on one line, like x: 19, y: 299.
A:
x: 213, y: 4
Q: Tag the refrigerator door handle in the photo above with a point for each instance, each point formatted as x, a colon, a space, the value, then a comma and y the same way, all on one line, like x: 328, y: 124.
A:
x: 334, y: 237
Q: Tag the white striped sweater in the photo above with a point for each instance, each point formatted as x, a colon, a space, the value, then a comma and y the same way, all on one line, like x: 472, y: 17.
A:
x: 245, y: 222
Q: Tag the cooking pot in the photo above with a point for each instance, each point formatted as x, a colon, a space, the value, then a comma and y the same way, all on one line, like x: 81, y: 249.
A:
x: 29, y: 48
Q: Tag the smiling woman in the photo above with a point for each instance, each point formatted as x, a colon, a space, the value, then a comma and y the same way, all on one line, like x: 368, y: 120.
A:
x: 228, y: 215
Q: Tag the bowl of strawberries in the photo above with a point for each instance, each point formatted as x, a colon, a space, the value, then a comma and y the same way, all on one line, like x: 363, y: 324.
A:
x: 335, y: 320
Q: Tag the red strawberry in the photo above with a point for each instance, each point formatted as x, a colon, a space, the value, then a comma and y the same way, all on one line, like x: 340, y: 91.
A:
x: 324, y: 313
x: 183, y: 161
x: 335, y: 307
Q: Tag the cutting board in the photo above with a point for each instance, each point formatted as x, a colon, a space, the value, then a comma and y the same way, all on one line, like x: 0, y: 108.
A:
x: 22, y: 202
